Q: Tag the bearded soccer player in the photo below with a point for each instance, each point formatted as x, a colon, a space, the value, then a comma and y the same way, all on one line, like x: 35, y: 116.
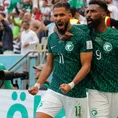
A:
x: 103, y: 77
x: 69, y: 57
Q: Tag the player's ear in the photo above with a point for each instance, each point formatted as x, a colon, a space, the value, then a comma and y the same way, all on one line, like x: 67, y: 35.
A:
x: 70, y: 15
x: 104, y: 15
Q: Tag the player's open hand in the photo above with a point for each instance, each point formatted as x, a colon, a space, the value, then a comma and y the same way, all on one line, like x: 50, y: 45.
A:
x: 33, y: 90
x: 65, y: 88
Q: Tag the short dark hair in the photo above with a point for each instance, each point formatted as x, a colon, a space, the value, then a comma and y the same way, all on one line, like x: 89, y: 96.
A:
x: 102, y: 4
x: 62, y: 4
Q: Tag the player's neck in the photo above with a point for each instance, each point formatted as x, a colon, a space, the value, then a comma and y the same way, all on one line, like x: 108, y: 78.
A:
x: 69, y: 27
x: 101, y: 28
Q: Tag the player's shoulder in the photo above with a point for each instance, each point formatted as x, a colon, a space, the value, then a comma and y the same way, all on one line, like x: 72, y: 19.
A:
x: 52, y: 37
x: 80, y: 32
x: 112, y: 33
x: 115, y: 31
x: 82, y: 27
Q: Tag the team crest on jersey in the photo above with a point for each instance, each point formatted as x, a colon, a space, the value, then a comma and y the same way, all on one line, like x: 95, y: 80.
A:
x: 107, y: 47
x: 69, y: 46
x: 94, y: 112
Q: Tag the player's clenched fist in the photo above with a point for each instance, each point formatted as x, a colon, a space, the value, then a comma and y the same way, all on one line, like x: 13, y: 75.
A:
x: 33, y: 90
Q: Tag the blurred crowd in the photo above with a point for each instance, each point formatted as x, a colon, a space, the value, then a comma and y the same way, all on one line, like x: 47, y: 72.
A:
x: 24, y: 23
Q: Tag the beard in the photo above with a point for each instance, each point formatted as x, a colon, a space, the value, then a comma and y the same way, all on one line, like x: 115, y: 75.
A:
x: 65, y: 26
x: 93, y: 23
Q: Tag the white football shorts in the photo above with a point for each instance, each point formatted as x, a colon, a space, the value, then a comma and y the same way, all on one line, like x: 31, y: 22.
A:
x: 52, y: 102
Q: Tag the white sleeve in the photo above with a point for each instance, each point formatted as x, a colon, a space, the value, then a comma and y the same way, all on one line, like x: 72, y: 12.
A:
x: 35, y: 39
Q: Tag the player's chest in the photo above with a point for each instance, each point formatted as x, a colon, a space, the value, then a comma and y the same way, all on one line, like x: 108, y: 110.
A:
x: 64, y: 47
x: 104, y: 46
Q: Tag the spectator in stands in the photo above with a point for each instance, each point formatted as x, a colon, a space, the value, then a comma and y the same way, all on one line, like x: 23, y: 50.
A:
x: 27, y: 16
x: 16, y: 19
x: 7, y: 38
x: 35, y: 25
x: 110, y: 21
x: 74, y: 19
x: 38, y: 70
x: 12, y: 5
x: 113, y: 9
x: 36, y: 13
x: 35, y: 3
x: 82, y: 10
x: 45, y: 12
x: 17, y: 45
x: 1, y: 33
x: 27, y: 4
x: 81, y: 18
x: 47, y: 29
x: 29, y: 39
x: 6, y: 5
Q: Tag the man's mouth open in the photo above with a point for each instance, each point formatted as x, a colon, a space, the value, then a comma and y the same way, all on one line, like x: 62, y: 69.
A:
x: 60, y: 26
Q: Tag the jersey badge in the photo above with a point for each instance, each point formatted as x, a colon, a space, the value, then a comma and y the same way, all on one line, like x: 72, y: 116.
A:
x: 69, y: 46
x: 107, y: 46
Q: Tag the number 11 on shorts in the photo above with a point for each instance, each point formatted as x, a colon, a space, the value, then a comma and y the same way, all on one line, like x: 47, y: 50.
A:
x: 78, y: 110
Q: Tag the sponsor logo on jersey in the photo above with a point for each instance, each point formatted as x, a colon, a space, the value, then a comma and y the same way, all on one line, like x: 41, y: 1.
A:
x: 69, y: 46
x: 107, y: 47
x: 53, y: 46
